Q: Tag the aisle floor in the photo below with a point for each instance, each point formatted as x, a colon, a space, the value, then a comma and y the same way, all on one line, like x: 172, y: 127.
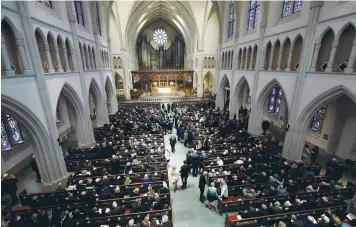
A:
x: 188, y: 211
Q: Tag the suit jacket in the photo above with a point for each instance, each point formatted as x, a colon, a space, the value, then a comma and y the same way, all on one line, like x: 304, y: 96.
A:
x: 184, y: 170
x: 297, y: 223
x: 202, y: 181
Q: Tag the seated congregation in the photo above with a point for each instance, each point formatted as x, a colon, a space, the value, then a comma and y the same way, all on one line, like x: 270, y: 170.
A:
x: 255, y: 186
x: 122, y: 181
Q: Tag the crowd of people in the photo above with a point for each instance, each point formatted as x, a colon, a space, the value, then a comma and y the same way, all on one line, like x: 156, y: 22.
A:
x: 123, y: 180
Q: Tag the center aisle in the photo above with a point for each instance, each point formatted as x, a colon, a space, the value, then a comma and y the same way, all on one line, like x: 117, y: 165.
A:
x: 188, y: 211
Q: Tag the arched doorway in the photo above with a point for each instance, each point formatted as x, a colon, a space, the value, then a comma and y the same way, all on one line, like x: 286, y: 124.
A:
x: 119, y: 82
x: 223, y: 98
x: 49, y: 158
x: 328, y: 122
x: 76, y: 112
x: 271, y: 105
x: 96, y: 105
x: 208, y: 84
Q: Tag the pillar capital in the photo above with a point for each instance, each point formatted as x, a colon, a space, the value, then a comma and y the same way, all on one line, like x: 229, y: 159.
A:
x: 56, y: 49
x: 46, y: 46
x: 19, y: 42
x: 317, y: 46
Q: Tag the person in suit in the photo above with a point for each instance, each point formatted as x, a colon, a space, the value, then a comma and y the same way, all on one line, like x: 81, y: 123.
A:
x: 295, y: 222
x: 195, y: 163
x: 184, y: 173
x: 202, y: 183
x: 173, y: 141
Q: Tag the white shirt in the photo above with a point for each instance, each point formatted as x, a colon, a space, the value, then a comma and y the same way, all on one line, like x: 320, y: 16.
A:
x: 224, y: 191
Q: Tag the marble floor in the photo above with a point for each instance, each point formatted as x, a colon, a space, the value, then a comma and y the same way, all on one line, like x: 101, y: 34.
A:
x: 188, y: 211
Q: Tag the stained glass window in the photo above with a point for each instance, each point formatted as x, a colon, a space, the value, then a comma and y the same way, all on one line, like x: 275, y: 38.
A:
x: 57, y: 116
x: 291, y: 6
x: 14, y: 129
x: 98, y: 18
x: 318, y: 119
x: 249, y: 93
x: 275, y: 100
x: 78, y: 5
x: 5, y: 142
x: 253, y: 12
x: 47, y: 3
x: 231, y: 19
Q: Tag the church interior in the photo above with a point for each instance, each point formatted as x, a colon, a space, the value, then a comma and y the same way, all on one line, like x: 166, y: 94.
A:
x: 178, y: 113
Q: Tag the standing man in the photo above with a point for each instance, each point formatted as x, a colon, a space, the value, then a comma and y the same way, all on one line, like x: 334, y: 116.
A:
x: 202, y: 183
x: 35, y: 169
x: 195, y: 163
x: 172, y: 141
x: 184, y: 173
x: 314, y: 154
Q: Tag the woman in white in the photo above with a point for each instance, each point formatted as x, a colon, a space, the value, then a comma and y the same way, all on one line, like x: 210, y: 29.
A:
x: 224, y: 189
x: 219, y: 162
x: 175, y: 178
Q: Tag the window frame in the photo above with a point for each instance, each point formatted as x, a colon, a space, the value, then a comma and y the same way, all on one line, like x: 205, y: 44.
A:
x: 316, y: 117
x: 98, y: 21
x: 231, y: 19
x: 255, y: 15
x: 8, y: 130
x: 292, y: 7
x: 44, y: 3
x: 76, y: 5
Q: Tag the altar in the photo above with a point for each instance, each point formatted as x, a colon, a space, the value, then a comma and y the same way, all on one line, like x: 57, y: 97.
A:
x: 163, y: 81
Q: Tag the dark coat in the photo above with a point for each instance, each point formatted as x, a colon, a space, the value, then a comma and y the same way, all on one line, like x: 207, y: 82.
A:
x: 184, y: 170
x: 202, y: 181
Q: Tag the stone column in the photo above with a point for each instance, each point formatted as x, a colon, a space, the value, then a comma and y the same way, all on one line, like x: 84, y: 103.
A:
x: 88, y: 60
x: 334, y: 46
x: 289, y: 58
x: 296, y: 140
x: 20, y: 46
x: 59, y: 64
x: 279, y: 58
x: 251, y: 60
x: 85, y: 68
x: 49, y: 60
x: 5, y: 57
x: 246, y: 59
x: 349, y: 68
x: 51, y: 163
x: 74, y: 60
x: 263, y: 59
x: 66, y: 63
x: 271, y: 59
x: 315, y: 57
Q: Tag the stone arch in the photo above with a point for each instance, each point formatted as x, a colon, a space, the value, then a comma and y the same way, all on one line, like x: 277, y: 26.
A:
x: 90, y: 57
x: 285, y: 53
x: 52, y: 46
x: 209, y: 62
x: 304, y: 119
x: 13, y: 27
x: 82, y: 56
x: 262, y: 104
x: 276, y: 49
x: 41, y: 46
x: 205, y: 62
x: 240, y: 59
x: 109, y: 94
x: 254, y: 56
x: 223, y: 93
x: 85, y: 52
x: 119, y: 84
x: 95, y: 93
x: 48, y: 155
x: 232, y: 59
x: 222, y: 60
x: 249, y: 56
x: 268, y: 55
x: 94, y: 58
x: 69, y: 47
x: 325, y: 50
x: 208, y: 83
x: 243, y: 58
x: 346, y: 40
x: 345, y: 27
x: 297, y: 51
x: 9, y: 35
x: 228, y: 60
x: 80, y: 118
x: 61, y: 47
x: 213, y: 62
x: 114, y: 62
x: 241, y: 92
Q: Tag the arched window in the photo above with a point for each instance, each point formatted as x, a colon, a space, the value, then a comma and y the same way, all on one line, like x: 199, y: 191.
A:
x: 275, y: 101
x: 231, y: 19
x: 98, y: 18
x: 10, y: 133
x: 114, y: 62
x: 79, y: 12
x: 57, y: 116
x: 253, y: 12
x: 291, y: 6
x: 249, y: 93
x: 318, y: 119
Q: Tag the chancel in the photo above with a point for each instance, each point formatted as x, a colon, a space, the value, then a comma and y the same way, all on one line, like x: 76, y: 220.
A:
x: 178, y: 113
